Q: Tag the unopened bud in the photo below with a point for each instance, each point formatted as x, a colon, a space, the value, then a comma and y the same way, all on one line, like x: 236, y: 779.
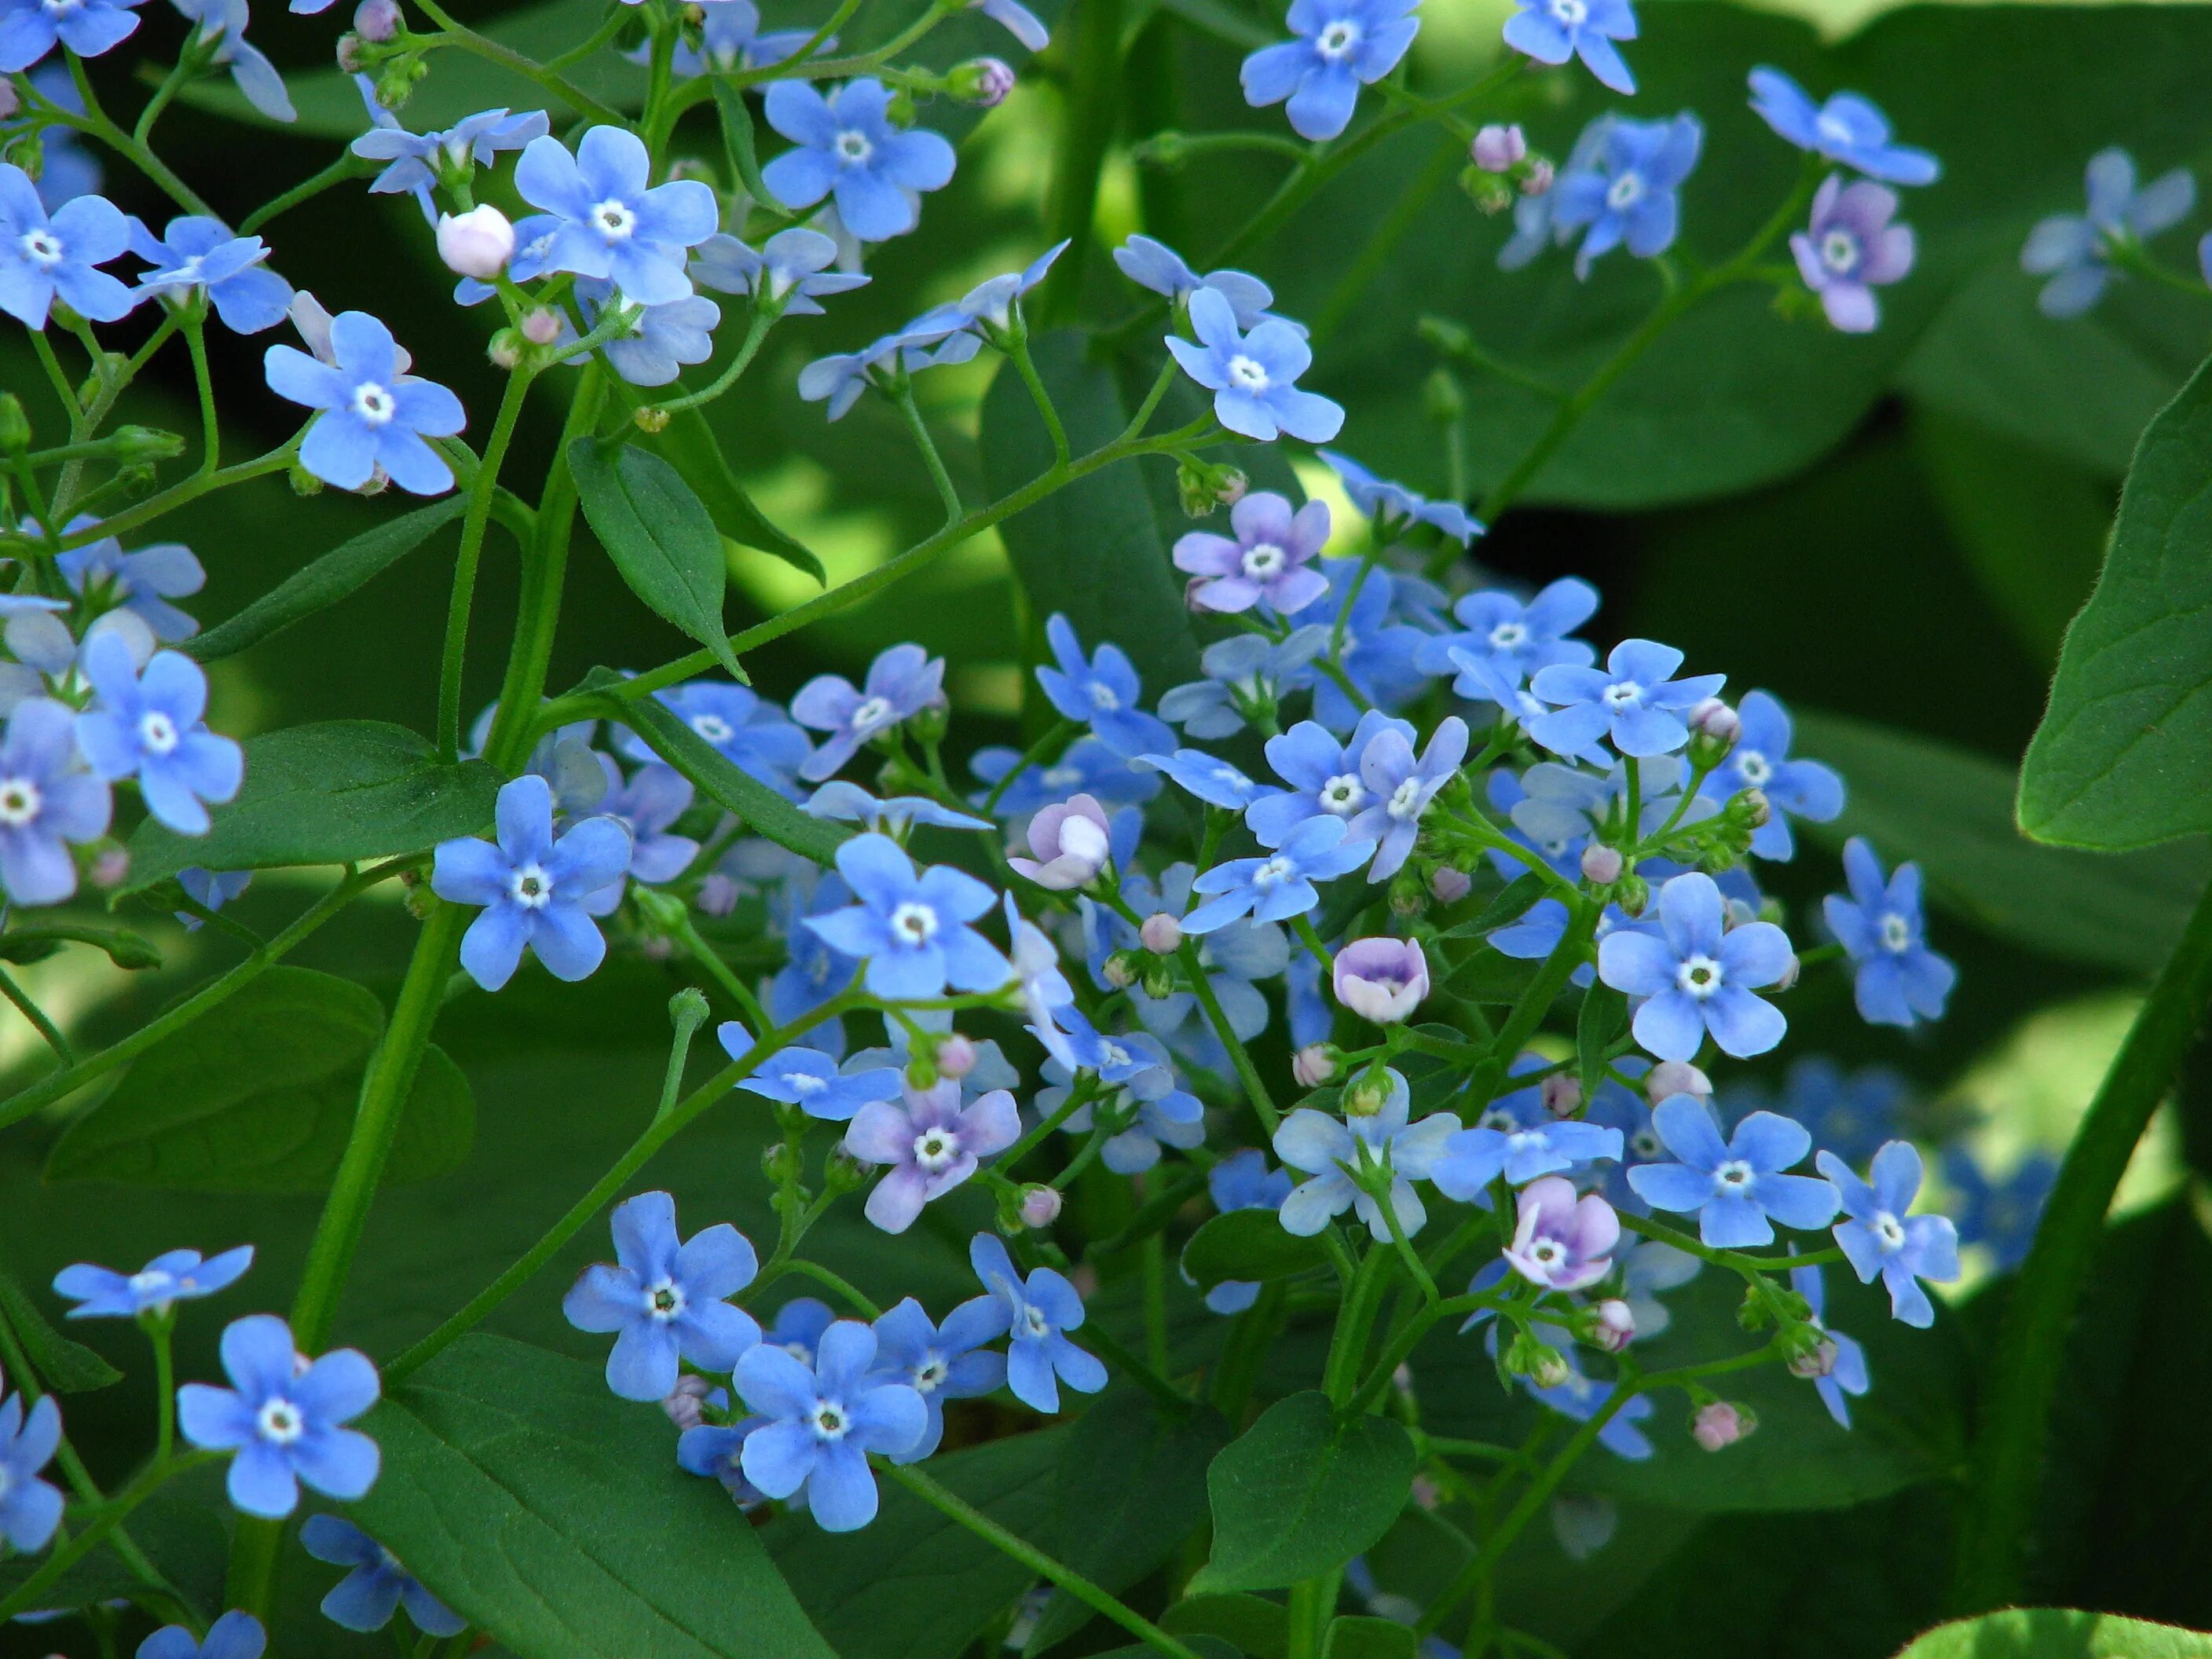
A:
x: 1612, y: 1325
x: 841, y: 1172
x: 1816, y: 1359
x: 782, y: 1162
x: 1540, y: 1361
x: 688, y: 1009
x: 1496, y: 148
x: 1489, y: 193
x: 1364, y: 1098
x: 541, y: 327
x: 1123, y: 968
x: 982, y: 82
x: 1449, y: 887
x: 1601, y: 864
x: 1426, y: 1492
x: 505, y: 351
x: 1722, y: 1423
x: 1537, y: 178
x: 1562, y: 1094
x: 1714, y: 719
x: 15, y: 424
x: 1161, y: 934
x: 145, y: 443
x: 348, y: 54
x: 1040, y: 1205
x: 1633, y: 894
x: 956, y: 1056
x: 111, y: 868
x: 1670, y: 1077
x: 1315, y: 1065
x: 1753, y: 807
x: 10, y: 102
x: 377, y: 20
x: 717, y: 895
x: 922, y: 1071
x: 1442, y: 400
x: 478, y: 243
x: 651, y: 419
x: 1229, y: 483
x: 684, y: 1402
x: 1157, y: 977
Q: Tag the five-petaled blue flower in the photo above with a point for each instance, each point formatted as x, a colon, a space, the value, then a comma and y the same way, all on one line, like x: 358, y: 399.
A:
x: 1634, y: 700
x: 791, y: 273
x: 614, y: 222
x: 933, y: 340
x: 1698, y: 976
x: 1345, y: 1157
x: 1899, y: 980
x: 846, y: 146
x: 1253, y: 377
x: 372, y: 415
x: 47, y: 799
x: 2076, y: 250
x: 365, y: 1598
x: 1521, y: 1146
x: 1036, y: 1314
x: 535, y: 888
x: 283, y: 1416
x: 1734, y: 1186
x: 847, y: 802
x: 1517, y: 640
x: 753, y: 734
x: 30, y: 1508
x: 1341, y: 45
x: 171, y: 1277
x: 150, y: 728
x: 1760, y: 760
x: 666, y: 1301
x: 1153, y: 264
x: 1847, y: 128
x: 1840, y: 1368
x: 730, y: 38
x: 938, y: 1363
x: 1247, y: 675
x: 1100, y: 692
x: 927, y: 1143
x: 1280, y: 885
x: 1216, y: 782
x: 43, y: 258
x: 810, y: 1079
x: 195, y: 252
x: 646, y: 804
x: 1879, y: 1237
x: 825, y: 1418
x: 901, y: 682
x: 237, y: 1635
x: 663, y: 338
x: 1267, y: 562
x: 29, y: 29
x: 911, y: 929
x: 143, y: 582
x: 1627, y: 194
x: 1391, y: 504
x: 1325, y: 777
x: 1243, y: 1180
x: 418, y: 160
x: 1400, y: 788
x: 1553, y: 30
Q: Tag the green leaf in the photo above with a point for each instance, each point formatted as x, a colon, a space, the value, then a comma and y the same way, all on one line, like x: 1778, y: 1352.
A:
x: 1209, y: 1647
x: 660, y: 537
x: 2124, y: 757
x: 2058, y: 1633
x: 258, y: 1095
x: 736, y: 118
x: 337, y: 793
x: 764, y: 811
x: 67, y: 1367
x: 1249, y: 1246
x: 552, y: 1516
x: 1251, y: 1624
x: 1520, y: 893
x: 1355, y: 1637
x: 321, y: 584
x: 1603, y: 1018
x: 688, y: 443
x: 1300, y: 1493
x: 1951, y: 810
x: 1131, y: 1487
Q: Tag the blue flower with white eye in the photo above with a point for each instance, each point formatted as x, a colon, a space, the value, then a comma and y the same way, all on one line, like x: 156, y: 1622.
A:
x: 798, y: 1326
x: 1254, y: 376
x: 1513, y: 638
x: 791, y: 272
x: 846, y: 146
x: 931, y: 341
x: 237, y: 1635
x: 646, y: 804
x: 2075, y: 251
x: 417, y: 161
x: 1634, y: 701
x: 1849, y: 248
x: 1243, y: 1181
x: 151, y: 728
x: 47, y: 801
x: 613, y: 222
x: 197, y: 254
x: 1841, y: 1367
x: 1737, y: 1188
x: 1267, y: 562
x: 927, y: 1143
x: 2001, y: 1216
x: 1155, y: 266
x: 1400, y: 788
x: 171, y: 1277
x: 1847, y: 129
x: 30, y: 1508
x: 1323, y: 776
x: 371, y: 414
x: 1522, y: 1146
x: 753, y: 734
x: 284, y: 1417
x: 1089, y: 767
x: 102, y: 576
x: 1214, y: 782
x: 1341, y: 45
x: 665, y: 338
x: 824, y: 1420
x: 1247, y: 677
x: 912, y: 930
x: 901, y: 682
x: 1698, y: 976
x: 1337, y: 1154
x: 1760, y: 760
x: 1392, y: 504
x: 1899, y: 980
x: 1878, y: 1238
x: 1628, y: 194
x: 730, y: 38
x: 1378, y: 653
x: 535, y: 888
x: 1100, y: 692
x: 666, y: 1301
x: 810, y: 1079
x: 938, y: 1363
x: 365, y: 1598
x: 1035, y: 1313
x: 1280, y: 885
x: 45, y: 258
x: 847, y: 802
x: 29, y: 29
x: 1553, y: 30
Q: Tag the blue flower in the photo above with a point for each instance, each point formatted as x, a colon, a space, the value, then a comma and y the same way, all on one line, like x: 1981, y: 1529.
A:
x: 1900, y: 981
x: 610, y: 223
x: 1696, y: 977
x: 2001, y: 1216
x: 1214, y: 782
x: 846, y: 146
x: 171, y: 1277
x: 30, y: 1508
x: 810, y: 1079
x: 666, y: 337
x: 102, y: 575
x: 1522, y: 1146
x: 1017, y: 20
x: 68, y: 169
x: 1580, y: 1399
x: 791, y: 272
x: 1634, y: 701
x: 1233, y: 956
x: 151, y: 728
x: 47, y: 799
x: 1760, y: 760
x: 223, y: 26
x: 1311, y: 1018
x: 1842, y: 1367
x: 284, y: 1419
x: 989, y: 307
x: 932, y: 341
x: 847, y: 802
x: 1324, y: 777
x: 1243, y: 1180
x: 1376, y: 653
x: 535, y: 890
x: 1515, y: 639
x: 1088, y: 768
x: 1846, y: 128
x: 2076, y: 251
x: 753, y: 734
x: 1280, y: 885
x: 1343, y: 1156
x: 372, y: 415
x: 645, y: 805
x: 1391, y: 504
x: 1341, y: 45
x: 1553, y: 30
x: 815, y: 972
x: 30, y: 29
x: 901, y: 682
x: 1400, y: 789
x: 1849, y: 248
x: 1850, y: 1115
x: 1253, y: 377
x: 927, y: 1144
x: 1155, y: 266
x: 824, y: 1420
x: 1627, y: 195
x: 365, y: 1598
x: 1144, y: 1112
x: 46, y: 258
x: 418, y: 161
x: 1247, y: 677
x: 237, y: 1635
x: 1733, y: 1186
x: 730, y: 38
x: 798, y: 1326
x: 666, y: 1301
x: 717, y: 1452
x: 1035, y: 1313
x: 210, y: 888
x: 200, y: 253
x: 1102, y: 692
x: 938, y: 1363
x: 911, y: 930
x: 1878, y: 1236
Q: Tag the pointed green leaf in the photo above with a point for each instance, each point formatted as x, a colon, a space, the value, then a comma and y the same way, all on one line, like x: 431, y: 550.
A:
x: 2058, y: 1633
x: 1248, y: 1246
x: 660, y: 537
x: 66, y: 1367
x: 688, y: 442
x: 736, y: 118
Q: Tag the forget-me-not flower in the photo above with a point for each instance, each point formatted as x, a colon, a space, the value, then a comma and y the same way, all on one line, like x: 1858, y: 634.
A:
x: 1243, y: 1181
x: 929, y: 1143
x: 730, y: 38
x: 1878, y: 1236
x: 847, y: 802
x: 103, y: 575
x: 1017, y: 20
x: 222, y: 28
x: 824, y: 1420
x: 1036, y: 1314
x: 744, y: 728
x: 150, y: 728
x: 46, y: 256
x: 1392, y: 504
x: 1341, y: 45
x: 1281, y: 884
x: 1847, y: 129
x: 1734, y: 1186
x: 666, y: 1301
x: 912, y: 930
x: 1247, y: 677
x: 1627, y: 194
x: 1899, y: 980
x: 846, y: 146
x: 237, y: 1635
x: 1214, y: 782
x: 1553, y: 30
x: 990, y: 306
x: 1374, y: 650
x: 1761, y: 760
x: 810, y: 1079
x: 415, y: 162
x: 931, y: 341
x: 29, y: 29
x: 171, y: 1277
x: 1268, y: 562
x: 663, y: 339
x: 798, y: 1325
x: 1520, y: 1146
x: 2001, y: 1216
x: 47, y: 801
x: 1634, y: 701
x: 1151, y: 1109
x: 1342, y: 1155
x: 1698, y: 976
x: 614, y: 222
x: 646, y: 804
x: 1849, y: 248
x: 901, y: 682
x: 1253, y: 377
x: 1845, y: 1370
x: 284, y: 1417
x: 1100, y: 692
x: 197, y: 253
x: 372, y: 414
x: 1849, y: 1115
x: 814, y: 971
x: 1516, y: 639
x: 938, y: 1363
x: 537, y: 889
x: 365, y: 1598
x: 790, y: 273
x: 2075, y: 251
x: 1153, y: 264
x: 1400, y: 788
x: 1323, y: 776
x: 30, y: 1508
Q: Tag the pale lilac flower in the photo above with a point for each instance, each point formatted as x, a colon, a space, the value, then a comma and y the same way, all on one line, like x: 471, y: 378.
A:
x: 1067, y: 845
x: 1381, y: 979
x: 1562, y: 1242
x: 1268, y: 562
x: 1850, y: 248
x: 930, y: 1143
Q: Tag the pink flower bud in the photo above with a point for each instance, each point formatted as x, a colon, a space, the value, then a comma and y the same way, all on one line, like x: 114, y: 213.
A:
x: 717, y: 896
x: 1450, y: 886
x: 478, y: 243
x: 956, y: 1056
x: 1161, y: 934
x: 1229, y: 485
x: 10, y: 102
x: 1714, y: 719
x: 111, y: 868
x: 1040, y: 1205
x: 376, y: 20
x: 1426, y: 1493
x: 1601, y: 864
x: 1084, y: 1278
x: 1538, y: 179
x: 1722, y: 1424
x: 1562, y: 1094
x: 1755, y: 807
x: 1313, y: 1065
x: 682, y: 1405
x: 982, y: 82
x: 1495, y: 149
x: 1067, y: 845
x: 1613, y: 1325
x: 1670, y: 1077
x: 1382, y: 980
x: 1815, y: 1362
x: 657, y: 947
x: 542, y: 327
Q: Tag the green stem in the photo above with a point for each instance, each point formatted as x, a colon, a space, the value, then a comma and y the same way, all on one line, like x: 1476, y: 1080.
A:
x: 1255, y: 1089
x: 559, y: 85
x: 687, y: 934
x: 210, y: 433
x: 454, y: 657
x: 1025, y: 366
x: 763, y: 321
x: 348, y: 166
x: 32, y: 1592
x: 165, y: 1390
x: 1362, y: 1297
x: 31, y: 1010
x: 910, y: 412
x: 1536, y: 1001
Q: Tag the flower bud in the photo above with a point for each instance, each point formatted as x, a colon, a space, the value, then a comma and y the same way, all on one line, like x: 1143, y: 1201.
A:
x: 1157, y: 975
x: 651, y: 419
x: 15, y: 424
x: 1753, y: 806
x: 1489, y: 193
x: 1720, y: 1423
x: 684, y: 1402
x: 1495, y: 149
x: 377, y: 20
x: 1161, y: 934
x: 478, y: 243
x: 111, y: 868
x: 1601, y: 864
x: 10, y: 102
x: 1365, y: 1097
x: 1123, y: 968
x: 1449, y: 887
x: 1040, y: 1205
x: 1816, y: 1358
x: 717, y: 895
x: 1670, y: 1077
x: 1229, y: 483
x: 1442, y: 400
x: 956, y: 1056
x: 349, y: 52
x: 505, y: 349
x: 982, y: 82
x: 1611, y: 1326
x: 688, y: 1009
x: 1068, y: 845
x: 1537, y: 178
x: 782, y: 1162
x: 541, y: 327
x: 1633, y: 894
x: 1562, y: 1094
x: 1426, y: 1492
x: 1381, y: 979
x: 1315, y: 1065
x: 1540, y: 1361
x: 1409, y: 895
x: 1714, y: 719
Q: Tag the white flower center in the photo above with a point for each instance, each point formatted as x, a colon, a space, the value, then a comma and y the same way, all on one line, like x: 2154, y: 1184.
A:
x: 1263, y: 560
x: 58, y: 9
x: 914, y: 924
x: 42, y: 248
x: 806, y: 1085
x: 1500, y: 1120
x: 20, y: 801
x: 280, y: 1421
x: 1111, y: 1055
x: 1625, y: 191
x: 936, y: 1150
x: 157, y: 733
x: 799, y: 1351
x: 829, y: 1419
x: 530, y: 887
x: 1033, y: 1323
x: 1405, y: 800
x: 1230, y: 779
x: 1343, y: 795
x: 1699, y: 974
x: 1527, y: 1140
x: 1547, y: 1253
x: 154, y: 1287
x: 1896, y: 933
x: 664, y: 1300
x: 373, y: 404
x: 1103, y: 698
x: 1753, y: 768
x: 614, y: 220
x: 1832, y: 129
x: 1572, y: 13
x: 1061, y: 777
x: 1840, y: 251
x: 929, y: 1376
x: 1509, y: 636
x: 1246, y: 374
x: 872, y: 714
x: 712, y: 727
x: 1337, y: 41
x: 852, y: 149
x: 1272, y: 874
x: 1622, y: 695
x: 1734, y: 1176
x: 1889, y: 1232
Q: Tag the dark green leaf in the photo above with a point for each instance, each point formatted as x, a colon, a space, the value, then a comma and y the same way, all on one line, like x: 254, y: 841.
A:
x: 736, y: 118
x: 553, y: 1517
x: 1208, y: 1647
x: 2058, y: 1633
x: 1511, y: 905
x: 323, y: 583
x: 1249, y: 1246
x: 1490, y: 977
x: 336, y: 792
x: 688, y: 442
x: 660, y: 537
x: 184, y: 1528
x: 1354, y: 1637
x: 1603, y: 1018
x: 1300, y: 1493
x: 66, y: 1367
x: 1251, y: 1623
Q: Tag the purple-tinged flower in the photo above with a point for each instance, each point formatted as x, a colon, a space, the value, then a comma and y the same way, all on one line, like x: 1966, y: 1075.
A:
x: 1253, y: 377
x: 846, y: 146
x: 901, y: 682
x: 1068, y: 845
x: 1900, y: 981
x: 930, y: 1143
x: 1155, y: 266
x: 666, y: 338
x: 29, y: 29
x: 1214, y: 782
x: 150, y: 728
x: 1344, y: 1157
x: 1268, y: 562
x: 30, y: 1508
x: 1280, y: 885
x: 371, y: 414
x: 790, y: 273
x: 652, y: 799
x: 1734, y: 1186
x: 1634, y: 700
x: 1840, y: 1368
x: 283, y: 1415
x: 1341, y: 45
x: 1016, y: 20
x: 1400, y: 789
x: 1850, y: 248
x: 237, y: 1635
x: 938, y: 1363
x: 1553, y: 30
x: 2001, y: 1216
x: 171, y: 1277
x: 1381, y: 979
x: 753, y: 734
x: 847, y: 802
x: 47, y: 799
x: 1243, y: 1180
x: 1392, y: 504
x: 1627, y: 194
x: 365, y: 1598
x: 1879, y: 1237
x: 197, y: 254
x: 1760, y: 760
x: 2076, y: 250
x: 1521, y: 1142
x: 730, y: 38
x: 911, y: 929
x: 1562, y: 1241
x: 535, y: 888
x: 666, y: 1301
x: 1323, y: 776
x: 824, y: 1420
x: 1100, y: 692
x: 43, y: 257
x: 613, y: 221
x: 1695, y: 977
x: 1035, y: 1313
x: 1847, y: 128
x: 104, y: 576
x: 1515, y: 641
